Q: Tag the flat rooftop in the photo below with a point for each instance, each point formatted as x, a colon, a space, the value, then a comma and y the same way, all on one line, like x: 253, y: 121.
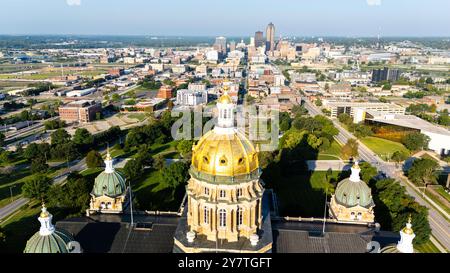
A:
x: 408, y: 121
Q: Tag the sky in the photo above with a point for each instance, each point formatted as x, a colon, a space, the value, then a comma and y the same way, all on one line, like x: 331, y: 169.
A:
x: 349, y: 18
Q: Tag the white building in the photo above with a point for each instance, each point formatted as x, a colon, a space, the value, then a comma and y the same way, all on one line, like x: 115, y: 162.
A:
x: 80, y: 93
x: 212, y: 55
x: 187, y: 97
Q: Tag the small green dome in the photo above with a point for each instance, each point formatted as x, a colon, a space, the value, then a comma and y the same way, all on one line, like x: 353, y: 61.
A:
x: 56, y: 242
x: 350, y: 193
x: 110, y: 184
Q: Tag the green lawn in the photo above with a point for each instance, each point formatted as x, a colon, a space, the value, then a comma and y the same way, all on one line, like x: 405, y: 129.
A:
x: 442, y: 192
x: 304, y: 195
x: 153, y: 194
x: 382, y: 147
x: 138, y: 116
x: 333, y: 153
x: 427, y: 247
x: 20, y: 227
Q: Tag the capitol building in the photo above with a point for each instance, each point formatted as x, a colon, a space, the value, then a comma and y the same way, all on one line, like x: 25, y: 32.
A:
x: 226, y: 209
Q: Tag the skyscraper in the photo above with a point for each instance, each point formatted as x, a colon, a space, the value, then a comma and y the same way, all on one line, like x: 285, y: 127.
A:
x: 270, y: 37
x: 221, y: 44
x: 259, y: 38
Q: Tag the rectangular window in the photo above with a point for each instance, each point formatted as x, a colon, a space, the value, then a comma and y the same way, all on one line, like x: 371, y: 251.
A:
x: 222, y: 194
x: 222, y: 218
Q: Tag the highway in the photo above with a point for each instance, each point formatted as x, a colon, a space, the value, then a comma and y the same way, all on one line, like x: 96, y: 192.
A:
x: 439, y: 224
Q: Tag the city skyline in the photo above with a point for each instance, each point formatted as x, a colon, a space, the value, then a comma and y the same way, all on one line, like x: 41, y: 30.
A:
x: 354, y: 18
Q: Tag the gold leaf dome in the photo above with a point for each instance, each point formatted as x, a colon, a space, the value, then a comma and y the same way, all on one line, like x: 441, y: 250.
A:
x: 225, y: 99
x: 225, y: 154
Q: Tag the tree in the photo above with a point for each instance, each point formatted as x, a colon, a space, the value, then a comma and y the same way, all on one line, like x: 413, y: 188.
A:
x: 299, y: 110
x: 2, y: 139
x: 175, y: 174
x: 115, y: 97
x: 39, y: 165
x: 345, y: 118
x: 2, y: 237
x: 423, y: 171
x: 36, y: 187
x: 5, y: 156
x: 60, y: 136
x: 184, y: 147
x: 393, y: 206
x: 350, y: 149
x: 318, y: 102
x: 368, y: 172
x: 444, y: 118
x: 73, y: 195
x: 416, y: 141
x: 83, y: 138
x: 399, y: 156
x: 94, y: 159
x: 159, y: 162
x: 132, y: 169
x: 285, y: 121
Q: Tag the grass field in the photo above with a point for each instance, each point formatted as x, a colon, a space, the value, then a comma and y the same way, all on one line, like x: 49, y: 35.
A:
x: 304, y: 195
x: 382, y: 147
x: 139, y: 116
x: 20, y: 227
x: 333, y: 153
x: 427, y: 247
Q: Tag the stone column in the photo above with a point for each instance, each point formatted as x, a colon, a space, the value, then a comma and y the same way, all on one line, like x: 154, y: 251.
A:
x: 260, y: 213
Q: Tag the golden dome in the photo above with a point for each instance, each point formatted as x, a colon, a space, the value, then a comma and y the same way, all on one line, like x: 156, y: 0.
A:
x: 225, y: 99
x: 225, y: 154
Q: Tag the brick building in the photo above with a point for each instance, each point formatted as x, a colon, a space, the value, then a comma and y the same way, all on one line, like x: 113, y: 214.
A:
x: 80, y: 111
x: 165, y: 92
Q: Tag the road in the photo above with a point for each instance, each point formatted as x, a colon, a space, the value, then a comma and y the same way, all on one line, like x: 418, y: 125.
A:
x: 324, y: 165
x: 17, y: 204
x: 439, y: 224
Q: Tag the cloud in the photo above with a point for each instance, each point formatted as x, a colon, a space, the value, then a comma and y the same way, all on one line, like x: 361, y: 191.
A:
x: 373, y: 2
x: 73, y: 2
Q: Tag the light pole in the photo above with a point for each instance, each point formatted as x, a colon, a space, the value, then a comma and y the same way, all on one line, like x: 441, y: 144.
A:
x: 10, y: 191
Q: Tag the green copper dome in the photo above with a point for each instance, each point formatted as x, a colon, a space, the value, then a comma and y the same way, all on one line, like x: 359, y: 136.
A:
x: 56, y: 242
x: 353, y: 191
x: 49, y: 239
x: 109, y: 184
x: 350, y: 194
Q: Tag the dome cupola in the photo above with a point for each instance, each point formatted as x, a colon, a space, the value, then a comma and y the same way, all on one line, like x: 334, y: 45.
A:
x: 49, y: 239
x: 353, y: 191
x: 109, y: 182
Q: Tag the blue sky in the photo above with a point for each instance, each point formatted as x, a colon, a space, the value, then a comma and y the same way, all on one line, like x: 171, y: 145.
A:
x: 230, y: 17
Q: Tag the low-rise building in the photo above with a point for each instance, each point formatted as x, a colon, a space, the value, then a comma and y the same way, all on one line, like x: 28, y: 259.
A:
x: 80, y: 111
x: 348, y: 107
x: 165, y: 92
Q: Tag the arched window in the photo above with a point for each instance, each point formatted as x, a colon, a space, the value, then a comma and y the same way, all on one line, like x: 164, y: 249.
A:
x: 206, y: 215
x: 222, y: 194
x: 240, y: 216
x: 239, y: 192
x: 222, y: 218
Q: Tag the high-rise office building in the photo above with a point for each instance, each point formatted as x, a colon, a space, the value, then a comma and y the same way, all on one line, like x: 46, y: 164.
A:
x: 386, y: 74
x: 270, y: 37
x: 221, y: 44
x: 232, y: 45
x: 259, y: 38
